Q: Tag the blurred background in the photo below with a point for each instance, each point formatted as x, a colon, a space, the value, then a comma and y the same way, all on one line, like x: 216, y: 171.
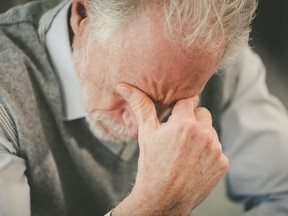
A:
x: 269, y: 38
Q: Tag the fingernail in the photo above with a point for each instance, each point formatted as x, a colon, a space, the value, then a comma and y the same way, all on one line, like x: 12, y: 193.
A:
x: 124, y: 92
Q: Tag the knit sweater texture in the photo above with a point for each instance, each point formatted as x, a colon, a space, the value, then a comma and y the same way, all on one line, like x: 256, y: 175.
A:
x: 68, y: 170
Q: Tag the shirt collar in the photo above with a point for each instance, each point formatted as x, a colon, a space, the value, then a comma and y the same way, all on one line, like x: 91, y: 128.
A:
x: 59, y: 48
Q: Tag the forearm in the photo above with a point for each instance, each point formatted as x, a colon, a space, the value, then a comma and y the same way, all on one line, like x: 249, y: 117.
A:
x: 148, y: 207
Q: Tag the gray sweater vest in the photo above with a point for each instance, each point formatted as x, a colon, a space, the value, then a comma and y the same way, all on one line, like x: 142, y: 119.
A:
x: 68, y: 170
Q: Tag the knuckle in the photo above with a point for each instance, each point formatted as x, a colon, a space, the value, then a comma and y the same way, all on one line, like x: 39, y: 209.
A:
x: 185, y: 125
x: 190, y: 124
x: 224, y: 163
x: 203, y: 111
x: 218, y: 150
x: 207, y: 137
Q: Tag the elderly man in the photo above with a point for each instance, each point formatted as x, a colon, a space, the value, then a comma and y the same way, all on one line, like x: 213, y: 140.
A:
x: 140, y: 67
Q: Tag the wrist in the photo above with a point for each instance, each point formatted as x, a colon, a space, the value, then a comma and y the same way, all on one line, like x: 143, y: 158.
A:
x: 137, y: 205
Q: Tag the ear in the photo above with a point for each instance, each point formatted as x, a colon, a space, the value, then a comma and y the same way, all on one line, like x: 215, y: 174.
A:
x: 78, y: 20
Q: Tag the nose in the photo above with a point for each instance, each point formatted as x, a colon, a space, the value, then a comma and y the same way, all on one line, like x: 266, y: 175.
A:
x: 130, y: 122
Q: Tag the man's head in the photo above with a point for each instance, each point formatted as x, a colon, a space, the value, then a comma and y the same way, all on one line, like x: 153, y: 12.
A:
x: 168, y: 49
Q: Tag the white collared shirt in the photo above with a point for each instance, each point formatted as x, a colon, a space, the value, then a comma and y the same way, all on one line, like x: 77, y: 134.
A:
x: 59, y: 48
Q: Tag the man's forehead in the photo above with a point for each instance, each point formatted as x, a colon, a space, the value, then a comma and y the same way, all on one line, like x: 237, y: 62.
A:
x: 166, y: 90
x: 144, y: 57
x: 166, y: 74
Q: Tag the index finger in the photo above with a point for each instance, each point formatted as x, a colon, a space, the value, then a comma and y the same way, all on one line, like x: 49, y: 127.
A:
x: 185, y: 107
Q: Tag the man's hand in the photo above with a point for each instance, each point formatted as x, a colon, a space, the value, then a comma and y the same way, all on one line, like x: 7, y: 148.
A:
x: 180, y: 161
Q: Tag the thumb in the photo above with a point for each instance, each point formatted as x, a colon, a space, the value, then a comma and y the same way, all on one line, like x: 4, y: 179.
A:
x: 141, y: 105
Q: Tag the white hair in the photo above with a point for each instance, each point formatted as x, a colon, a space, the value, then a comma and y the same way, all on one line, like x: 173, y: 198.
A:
x: 226, y: 21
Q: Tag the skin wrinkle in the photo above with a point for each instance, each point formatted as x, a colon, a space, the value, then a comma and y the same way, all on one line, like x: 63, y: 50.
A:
x: 142, y: 56
x: 159, y: 87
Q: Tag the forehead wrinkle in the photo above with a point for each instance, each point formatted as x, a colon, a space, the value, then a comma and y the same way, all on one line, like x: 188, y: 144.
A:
x: 164, y: 90
x: 163, y: 96
x: 159, y: 87
x: 163, y: 71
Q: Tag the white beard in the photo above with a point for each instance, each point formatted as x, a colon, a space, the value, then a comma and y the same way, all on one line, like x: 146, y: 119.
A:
x: 103, y: 127
x: 108, y: 131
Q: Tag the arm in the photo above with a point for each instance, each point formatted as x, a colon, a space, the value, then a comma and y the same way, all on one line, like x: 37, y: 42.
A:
x: 255, y: 139
x: 14, y: 189
x: 180, y: 160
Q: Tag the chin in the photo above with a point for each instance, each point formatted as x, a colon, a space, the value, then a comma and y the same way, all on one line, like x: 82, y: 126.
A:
x: 105, y: 129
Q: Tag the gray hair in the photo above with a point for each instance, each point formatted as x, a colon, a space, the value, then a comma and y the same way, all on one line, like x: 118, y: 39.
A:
x: 226, y: 21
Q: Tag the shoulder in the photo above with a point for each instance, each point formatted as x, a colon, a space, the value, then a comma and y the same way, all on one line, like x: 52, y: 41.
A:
x: 249, y: 61
x: 27, y: 13
x: 245, y: 68
x: 251, y: 71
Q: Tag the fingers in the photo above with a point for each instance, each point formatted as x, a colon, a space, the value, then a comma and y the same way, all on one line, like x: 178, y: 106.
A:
x: 185, y: 108
x: 196, y: 100
x: 140, y: 103
x: 216, y: 155
x: 203, y: 115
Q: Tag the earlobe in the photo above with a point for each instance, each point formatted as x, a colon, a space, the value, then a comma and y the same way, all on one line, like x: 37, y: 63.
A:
x: 78, y: 18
